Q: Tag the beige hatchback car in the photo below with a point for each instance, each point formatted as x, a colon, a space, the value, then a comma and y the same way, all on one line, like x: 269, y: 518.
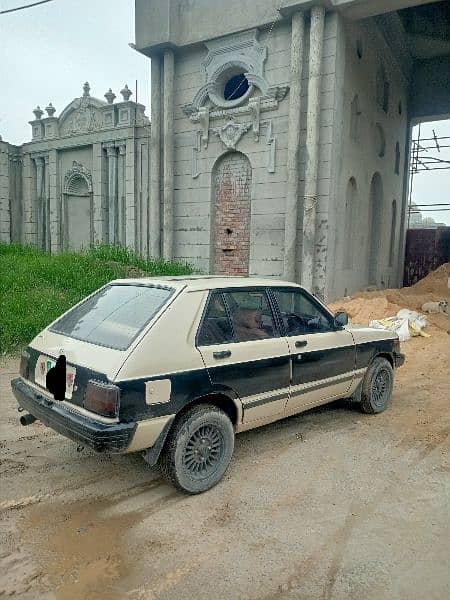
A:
x: 174, y: 367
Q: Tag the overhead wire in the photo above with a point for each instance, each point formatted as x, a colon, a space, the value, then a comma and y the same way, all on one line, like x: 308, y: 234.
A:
x: 23, y: 7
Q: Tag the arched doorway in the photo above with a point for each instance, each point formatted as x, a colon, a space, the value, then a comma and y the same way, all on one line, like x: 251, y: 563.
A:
x: 350, y: 223
x: 375, y: 223
x: 77, y: 209
x: 232, y: 176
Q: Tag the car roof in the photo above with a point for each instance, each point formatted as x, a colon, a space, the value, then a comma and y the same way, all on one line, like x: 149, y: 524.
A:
x: 206, y: 282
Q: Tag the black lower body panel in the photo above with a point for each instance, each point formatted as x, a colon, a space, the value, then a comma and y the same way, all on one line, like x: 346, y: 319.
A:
x: 99, y: 436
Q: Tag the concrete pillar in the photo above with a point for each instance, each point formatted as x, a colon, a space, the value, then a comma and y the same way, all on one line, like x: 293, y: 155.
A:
x: 168, y: 155
x: 121, y: 216
x: 46, y: 202
x: 130, y: 191
x: 54, y: 218
x: 312, y: 146
x: 98, y: 189
x: 15, y: 203
x: 5, y: 205
x: 404, y: 210
x: 111, y: 152
x: 291, y: 217
x: 155, y: 159
x: 143, y: 195
x: 40, y: 200
x: 29, y: 233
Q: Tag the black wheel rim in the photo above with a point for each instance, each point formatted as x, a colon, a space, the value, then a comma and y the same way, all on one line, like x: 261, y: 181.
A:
x: 381, y: 387
x: 203, y: 452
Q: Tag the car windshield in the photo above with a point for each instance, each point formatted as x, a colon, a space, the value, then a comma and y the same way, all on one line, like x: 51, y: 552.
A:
x: 114, y: 316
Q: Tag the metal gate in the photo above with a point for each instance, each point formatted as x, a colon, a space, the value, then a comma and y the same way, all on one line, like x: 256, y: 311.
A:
x: 425, y: 250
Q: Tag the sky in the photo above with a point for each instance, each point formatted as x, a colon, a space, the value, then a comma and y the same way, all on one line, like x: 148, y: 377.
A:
x: 433, y: 187
x: 47, y: 52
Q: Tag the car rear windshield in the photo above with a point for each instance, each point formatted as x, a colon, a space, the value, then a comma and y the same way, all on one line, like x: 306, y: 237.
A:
x: 114, y: 316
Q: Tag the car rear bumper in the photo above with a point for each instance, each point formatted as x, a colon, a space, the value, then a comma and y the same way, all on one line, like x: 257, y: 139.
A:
x: 114, y: 437
x: 399, y: 359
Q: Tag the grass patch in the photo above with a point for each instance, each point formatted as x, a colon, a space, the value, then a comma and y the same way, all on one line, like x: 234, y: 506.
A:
x: 36, y: 287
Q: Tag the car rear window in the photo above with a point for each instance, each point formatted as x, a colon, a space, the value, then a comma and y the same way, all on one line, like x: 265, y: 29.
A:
x: 114, y: 316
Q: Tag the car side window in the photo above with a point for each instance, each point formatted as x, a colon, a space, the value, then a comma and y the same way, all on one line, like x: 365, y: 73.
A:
x: 251, y: 315
x: 300, y: 314
x: 216, y: 327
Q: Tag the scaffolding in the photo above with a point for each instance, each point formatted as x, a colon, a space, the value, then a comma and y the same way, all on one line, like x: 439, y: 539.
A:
x: 428, y: 154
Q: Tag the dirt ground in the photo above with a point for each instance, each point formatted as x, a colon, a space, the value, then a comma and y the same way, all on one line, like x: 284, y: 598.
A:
x: 330, y: 504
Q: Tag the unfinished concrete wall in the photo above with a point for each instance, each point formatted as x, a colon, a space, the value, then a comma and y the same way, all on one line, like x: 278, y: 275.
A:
x: 198, y: 146
x: 369, y: 142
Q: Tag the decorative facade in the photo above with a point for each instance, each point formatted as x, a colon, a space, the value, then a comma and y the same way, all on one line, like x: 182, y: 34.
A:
x: 83, y: 178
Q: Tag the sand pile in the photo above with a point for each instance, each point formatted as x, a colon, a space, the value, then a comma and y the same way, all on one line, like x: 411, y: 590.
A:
x: 365, y: 306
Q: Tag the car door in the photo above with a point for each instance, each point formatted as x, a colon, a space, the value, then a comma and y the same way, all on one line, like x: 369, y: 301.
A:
x: 322, y: 355
x: 244, y: 351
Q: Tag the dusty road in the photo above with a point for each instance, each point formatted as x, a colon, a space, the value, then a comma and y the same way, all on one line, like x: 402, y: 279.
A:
x: 328, y: 504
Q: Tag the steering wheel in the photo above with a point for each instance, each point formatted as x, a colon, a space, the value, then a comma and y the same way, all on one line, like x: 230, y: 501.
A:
x: 295, y: 324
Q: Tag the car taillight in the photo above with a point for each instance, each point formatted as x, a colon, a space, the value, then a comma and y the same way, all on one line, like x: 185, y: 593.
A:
x: 102, y: 398
x: 24, y: 368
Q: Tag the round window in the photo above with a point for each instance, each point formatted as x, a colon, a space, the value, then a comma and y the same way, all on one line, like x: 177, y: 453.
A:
x: 236, y: 87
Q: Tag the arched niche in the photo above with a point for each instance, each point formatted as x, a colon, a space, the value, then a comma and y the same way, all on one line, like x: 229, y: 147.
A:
x: 393, y: 232
x: 383, y: 88
x: 77, y: 208
x: 375, y: 227
x: 355, y: 118
x: 397, y: 159
x: 350, y: 222
x: 230, y: 225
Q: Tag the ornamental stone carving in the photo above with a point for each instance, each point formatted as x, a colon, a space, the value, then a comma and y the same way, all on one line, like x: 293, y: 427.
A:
x: 83, y: 119
x: 234, y: 56
x: 78, y: 170
x: 231, y: 132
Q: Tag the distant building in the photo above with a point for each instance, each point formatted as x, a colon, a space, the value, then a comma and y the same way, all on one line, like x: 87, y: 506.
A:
x: 418, y: 221
x: 84, y: 177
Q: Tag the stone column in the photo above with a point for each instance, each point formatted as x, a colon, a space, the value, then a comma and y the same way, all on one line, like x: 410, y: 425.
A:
x: 5, y: 204
x: 121, y: 213
x: 54, y: 218
x: 16, y: 206
x: 111, y: 152
x: 40, y: 201
x: 98, y: 188
x: 130, y: 194
x: 155, y: 159
x: 168, y: 155
x: 312, y: 145
x: 291, y: 216
x: 29, y: 233
x: 46, y: 202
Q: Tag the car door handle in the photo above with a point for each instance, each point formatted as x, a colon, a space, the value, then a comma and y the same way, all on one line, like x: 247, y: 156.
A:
x: 222, y: 354
x: 301, y: 343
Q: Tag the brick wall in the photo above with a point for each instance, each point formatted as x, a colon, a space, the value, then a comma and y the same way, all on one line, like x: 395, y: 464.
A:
x: 232, y: 182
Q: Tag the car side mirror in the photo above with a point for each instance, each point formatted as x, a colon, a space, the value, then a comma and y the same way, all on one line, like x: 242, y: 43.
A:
x: 340, y: 319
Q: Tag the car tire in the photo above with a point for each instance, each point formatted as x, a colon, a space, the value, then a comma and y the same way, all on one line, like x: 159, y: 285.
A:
x: 198, y: 449
x: 377, y: 386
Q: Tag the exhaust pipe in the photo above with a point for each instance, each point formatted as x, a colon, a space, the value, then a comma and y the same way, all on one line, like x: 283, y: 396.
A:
x: 27, y: 419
